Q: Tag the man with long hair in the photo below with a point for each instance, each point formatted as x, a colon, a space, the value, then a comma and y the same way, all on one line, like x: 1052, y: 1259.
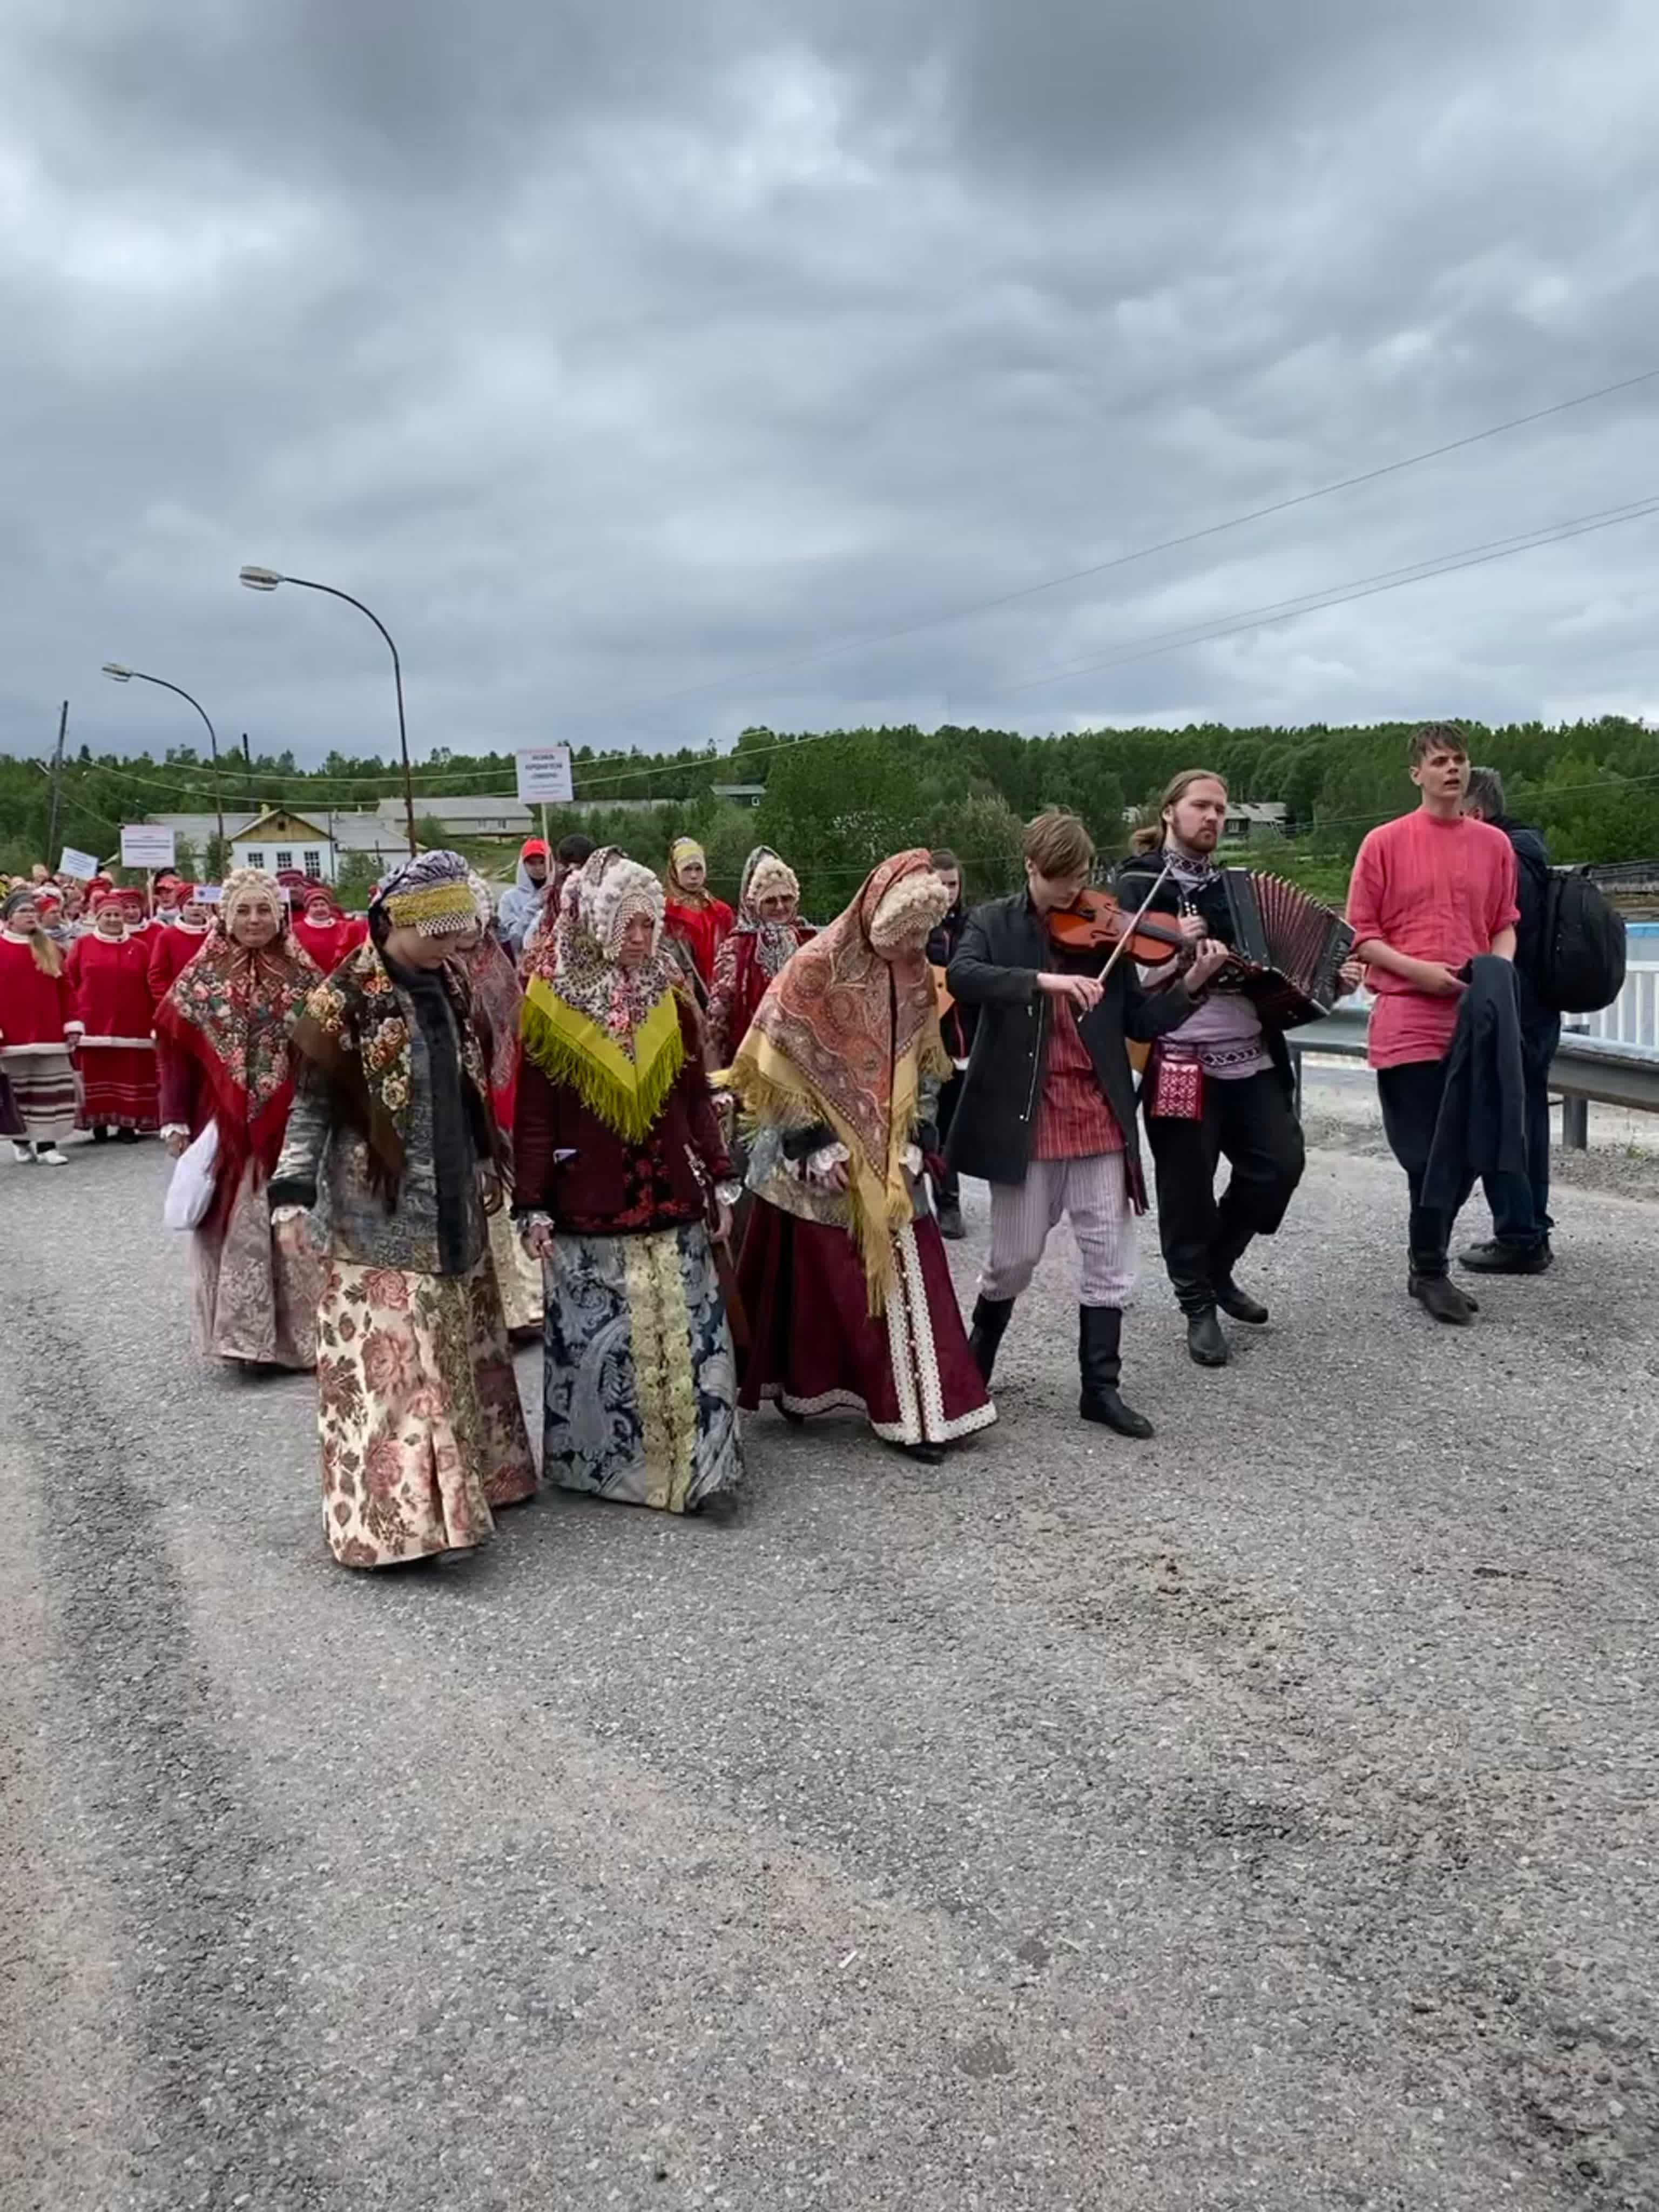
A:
x: 1219, y: 1086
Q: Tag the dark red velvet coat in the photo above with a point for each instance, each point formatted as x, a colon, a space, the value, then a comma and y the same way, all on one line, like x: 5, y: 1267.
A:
x: 613, y: 1188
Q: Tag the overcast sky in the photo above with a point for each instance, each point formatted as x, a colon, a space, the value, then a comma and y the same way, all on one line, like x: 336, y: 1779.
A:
x: 615, y: 350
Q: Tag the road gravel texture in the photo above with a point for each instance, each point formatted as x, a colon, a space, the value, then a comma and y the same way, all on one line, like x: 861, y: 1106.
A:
x: 1262, y: 1817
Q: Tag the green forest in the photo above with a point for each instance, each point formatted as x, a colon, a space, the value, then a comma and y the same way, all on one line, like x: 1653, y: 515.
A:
x: 836, y: 802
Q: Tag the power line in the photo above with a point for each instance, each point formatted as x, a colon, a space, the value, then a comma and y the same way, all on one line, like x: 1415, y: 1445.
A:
x: 1029, y: 590
x: 1124, y: 559
x: 1313, y: 602
x: 1362, y: 587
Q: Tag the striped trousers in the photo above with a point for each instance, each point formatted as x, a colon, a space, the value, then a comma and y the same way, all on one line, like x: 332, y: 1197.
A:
x: 1093, y: 1195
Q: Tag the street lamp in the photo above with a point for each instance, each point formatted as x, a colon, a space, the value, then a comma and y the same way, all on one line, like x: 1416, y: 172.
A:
x: 118, y: 674
x: 266, y: 580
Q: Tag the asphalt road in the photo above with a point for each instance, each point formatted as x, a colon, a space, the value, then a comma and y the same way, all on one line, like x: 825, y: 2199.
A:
x: 1262, y: 1817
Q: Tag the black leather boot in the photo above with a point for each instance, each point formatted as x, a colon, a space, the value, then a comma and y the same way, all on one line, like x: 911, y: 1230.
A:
x: 1206, y: 1340
x: 1226, y: 1254
x: 1438, y: 1295
x: 1099, y: 1350
x: 1239, y: 1303
x: 990, y: 1321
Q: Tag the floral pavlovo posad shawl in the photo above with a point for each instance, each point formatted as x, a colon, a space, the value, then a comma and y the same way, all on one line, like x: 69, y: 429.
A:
x: 355, y: 1030
x: 845, y: 1037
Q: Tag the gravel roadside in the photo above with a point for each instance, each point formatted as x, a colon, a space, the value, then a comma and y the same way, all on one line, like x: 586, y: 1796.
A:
x: 1260, y: 1817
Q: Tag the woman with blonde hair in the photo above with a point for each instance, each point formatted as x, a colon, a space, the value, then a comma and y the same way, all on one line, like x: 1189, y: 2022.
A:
x: 223, y: 1033
x: 38, y: 1030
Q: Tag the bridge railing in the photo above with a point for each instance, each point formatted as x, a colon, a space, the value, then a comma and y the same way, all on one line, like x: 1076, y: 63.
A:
x: 1586, y: 1071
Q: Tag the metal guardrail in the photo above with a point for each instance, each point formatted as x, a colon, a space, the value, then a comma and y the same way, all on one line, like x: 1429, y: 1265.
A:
x: 1586, y: 1070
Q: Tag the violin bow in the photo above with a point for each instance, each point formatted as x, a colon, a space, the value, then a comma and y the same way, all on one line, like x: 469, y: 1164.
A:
x: 1121, y: 946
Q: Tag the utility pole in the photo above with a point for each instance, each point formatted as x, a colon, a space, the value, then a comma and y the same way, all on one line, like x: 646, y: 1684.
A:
x: 52, y: 845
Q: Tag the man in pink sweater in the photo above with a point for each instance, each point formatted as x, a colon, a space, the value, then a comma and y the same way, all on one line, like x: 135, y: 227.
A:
x: 1429, y: 893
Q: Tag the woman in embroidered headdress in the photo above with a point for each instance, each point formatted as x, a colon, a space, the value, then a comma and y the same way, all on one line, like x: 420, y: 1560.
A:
x: 498, y: 1005
x: 222, y: 1034
x: 618, y: 1161
x: 38, y: 1029
x: 694, y: 916
x: 392, y: 1140
x: 109, y: 972
x: 842, y: 1273
x: 767, y: 932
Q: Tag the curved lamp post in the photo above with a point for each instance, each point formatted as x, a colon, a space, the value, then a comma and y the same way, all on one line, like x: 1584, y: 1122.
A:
x: 266, y: 580
x: 118, y: 674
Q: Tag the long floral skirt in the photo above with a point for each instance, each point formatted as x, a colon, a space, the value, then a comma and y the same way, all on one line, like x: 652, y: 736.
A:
x: 419, y: 1408
x: 518, y: 1277
x: 43, y: 1089
x: 641, y: 1388
x: 119, y: 1087
x: 254, y: 1302
x: 815, y: 1347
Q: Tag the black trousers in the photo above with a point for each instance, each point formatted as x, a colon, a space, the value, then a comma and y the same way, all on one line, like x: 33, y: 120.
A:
x: 1410, y: 1098
x: 1251, y: 1124
x: 947, y: 1188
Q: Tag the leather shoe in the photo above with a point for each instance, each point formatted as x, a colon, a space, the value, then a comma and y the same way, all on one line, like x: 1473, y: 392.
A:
x: 1498, y: 1259
x: 951, y: 1224
x: 1231, y: 1300
x: 1439, y: 1296
x: 1206, y: 1338
x: 929, y: 1454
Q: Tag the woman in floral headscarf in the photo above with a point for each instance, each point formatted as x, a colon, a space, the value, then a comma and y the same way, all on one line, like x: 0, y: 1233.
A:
x: 618, y: 1163
x: 693, y: 915
x: 221, y: 1034
x: 768, y: 931
x: 394, y: 1133
x: 843, y: 1274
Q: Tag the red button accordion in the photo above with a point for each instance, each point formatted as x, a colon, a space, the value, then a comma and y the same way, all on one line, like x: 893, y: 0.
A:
x: 1294, y: 944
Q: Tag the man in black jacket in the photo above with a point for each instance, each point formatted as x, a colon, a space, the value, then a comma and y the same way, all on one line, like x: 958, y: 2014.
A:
x: 1520, y: 1244
x: 1047, y: 1115
x: 956, y: 1024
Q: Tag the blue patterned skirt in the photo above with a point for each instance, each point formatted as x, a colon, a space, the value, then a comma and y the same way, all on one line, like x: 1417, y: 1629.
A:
x: 642, y: 1388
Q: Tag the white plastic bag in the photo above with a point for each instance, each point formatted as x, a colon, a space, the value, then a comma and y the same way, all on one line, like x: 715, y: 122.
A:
x: 190, y: 1192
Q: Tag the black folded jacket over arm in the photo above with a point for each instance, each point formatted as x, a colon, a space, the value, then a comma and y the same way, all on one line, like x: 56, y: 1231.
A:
x: 1482, y: 1125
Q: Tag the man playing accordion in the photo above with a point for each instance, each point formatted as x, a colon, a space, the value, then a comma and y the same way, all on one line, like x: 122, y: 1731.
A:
x: 1219, y: 1086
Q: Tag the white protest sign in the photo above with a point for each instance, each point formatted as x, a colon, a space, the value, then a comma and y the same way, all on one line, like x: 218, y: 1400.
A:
x: 544, y: 777
x: 81, y: 865
x: 145, y: 846
x: 207, y: 894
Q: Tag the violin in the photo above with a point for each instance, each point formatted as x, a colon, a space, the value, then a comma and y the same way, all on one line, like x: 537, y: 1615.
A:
x: 1096, y: 922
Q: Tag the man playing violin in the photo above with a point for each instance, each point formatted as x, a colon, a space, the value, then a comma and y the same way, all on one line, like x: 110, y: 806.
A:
x: 1046, y: 1111
x: 1219, y: 1086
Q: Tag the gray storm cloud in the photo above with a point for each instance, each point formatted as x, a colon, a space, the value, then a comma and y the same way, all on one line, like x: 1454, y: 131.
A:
x: 616, y: 353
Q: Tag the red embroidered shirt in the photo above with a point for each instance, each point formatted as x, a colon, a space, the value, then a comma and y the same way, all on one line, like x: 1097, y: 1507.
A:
x: 1074, y: 1121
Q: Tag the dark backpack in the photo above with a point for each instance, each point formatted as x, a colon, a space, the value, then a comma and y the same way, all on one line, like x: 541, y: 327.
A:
x: 1581, y: 946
